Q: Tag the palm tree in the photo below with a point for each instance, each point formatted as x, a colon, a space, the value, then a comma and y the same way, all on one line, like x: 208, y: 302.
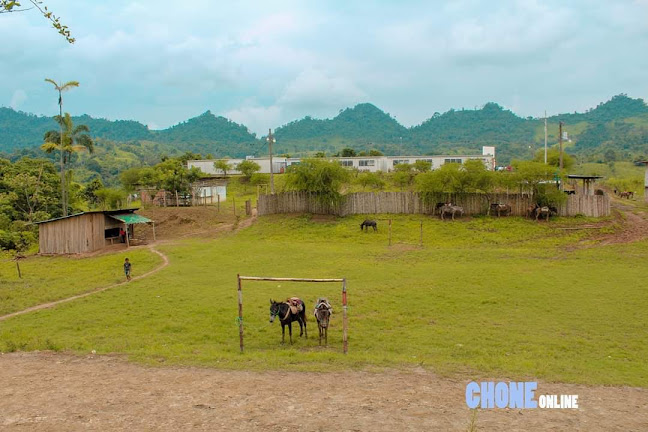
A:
x: 62, y: 88
x: 69, y: 140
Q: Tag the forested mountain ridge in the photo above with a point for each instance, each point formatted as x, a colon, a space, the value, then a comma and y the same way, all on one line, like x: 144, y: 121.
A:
x: 617, y: 128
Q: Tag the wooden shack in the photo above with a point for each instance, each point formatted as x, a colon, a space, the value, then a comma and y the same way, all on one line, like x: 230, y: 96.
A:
x: 88, y: 231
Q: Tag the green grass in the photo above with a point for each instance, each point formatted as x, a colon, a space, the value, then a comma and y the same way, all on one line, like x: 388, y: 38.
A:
x: 45, y: 279
x: 484, y: 297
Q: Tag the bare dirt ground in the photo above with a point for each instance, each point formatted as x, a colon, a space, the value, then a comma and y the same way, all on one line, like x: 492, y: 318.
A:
x: 59, y: 392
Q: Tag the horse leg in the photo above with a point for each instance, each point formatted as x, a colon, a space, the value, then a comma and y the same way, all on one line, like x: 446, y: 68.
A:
x: 320, y: 333
x: 305, y: 327
x: 290, y: 331
x: 283, y: 333
x: 326, y: 336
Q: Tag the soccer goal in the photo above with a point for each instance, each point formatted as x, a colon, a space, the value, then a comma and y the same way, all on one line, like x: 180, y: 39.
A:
x: 274, y: 279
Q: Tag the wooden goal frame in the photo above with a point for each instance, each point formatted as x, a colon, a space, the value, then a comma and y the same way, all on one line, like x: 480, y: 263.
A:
x: 240, y: 278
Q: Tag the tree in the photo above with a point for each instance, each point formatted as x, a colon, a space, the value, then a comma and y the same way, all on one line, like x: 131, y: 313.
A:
x: 422, y: 166
x: 61, y: 88
x: 10, y: 6
x: 89, y: 193
x: 322, y: 177
x: 223, y: 165
x: 320, y: 154
x: 68, y: 141
x: 371, y: 179
x: 553, y: 158
x: 376, y: 153
x: 403, y: 175
x: 248, y: 168
x: 348, y: 152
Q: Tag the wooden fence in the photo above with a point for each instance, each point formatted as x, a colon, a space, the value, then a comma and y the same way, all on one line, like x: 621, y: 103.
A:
x: 413, y: 203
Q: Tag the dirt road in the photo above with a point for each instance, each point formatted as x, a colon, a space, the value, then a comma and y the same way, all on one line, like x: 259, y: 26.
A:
x: 60, y: 392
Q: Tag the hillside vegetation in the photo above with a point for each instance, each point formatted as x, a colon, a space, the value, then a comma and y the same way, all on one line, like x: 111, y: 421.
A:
x: 614, y: 130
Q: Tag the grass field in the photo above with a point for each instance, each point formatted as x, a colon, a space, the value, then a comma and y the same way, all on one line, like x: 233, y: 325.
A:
x: 45, y: 279
x: 508, y: 298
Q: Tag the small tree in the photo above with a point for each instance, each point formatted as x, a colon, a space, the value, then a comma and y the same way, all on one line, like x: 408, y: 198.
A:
x: 248, y: 168
x: 422, y: 166
x: 322, y: 177
x: 348, y: 152
x: 370, y: 179
x: 403, y: 175
x: 223, y: 165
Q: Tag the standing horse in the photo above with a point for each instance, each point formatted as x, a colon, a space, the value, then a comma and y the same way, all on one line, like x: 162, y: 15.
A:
x: 452, y: 210
x: 368, y: 223
x: 323, y: 311
x: 501, y: 209
x: 291, y: 310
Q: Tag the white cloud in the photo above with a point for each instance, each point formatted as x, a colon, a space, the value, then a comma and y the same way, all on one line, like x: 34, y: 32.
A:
x: 19, y: 96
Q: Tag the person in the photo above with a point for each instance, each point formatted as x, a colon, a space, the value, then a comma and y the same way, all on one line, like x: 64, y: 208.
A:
x: 127, y: 269
x: 122, y: 235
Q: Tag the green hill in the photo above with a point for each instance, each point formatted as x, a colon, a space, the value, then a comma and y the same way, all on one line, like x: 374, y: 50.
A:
x: 614, y: 130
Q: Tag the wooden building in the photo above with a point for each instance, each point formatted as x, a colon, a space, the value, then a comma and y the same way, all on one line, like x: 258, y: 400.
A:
x: 88, y: 231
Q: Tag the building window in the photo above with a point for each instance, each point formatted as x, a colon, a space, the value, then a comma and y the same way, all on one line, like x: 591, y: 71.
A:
x: 346, y: 163
x: 400, y: 161
x: 367, y: 163
x: 453, y: 161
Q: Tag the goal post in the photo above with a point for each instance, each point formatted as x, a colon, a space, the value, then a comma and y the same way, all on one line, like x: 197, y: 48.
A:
x: 240, y: 278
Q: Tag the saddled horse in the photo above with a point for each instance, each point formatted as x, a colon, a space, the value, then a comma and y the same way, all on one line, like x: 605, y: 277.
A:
x: 369, y: 223
x: 451, y: 210
x: 501, y: 209
x: 291, y: 310
x: 323, y: 311
x: 545, y: 211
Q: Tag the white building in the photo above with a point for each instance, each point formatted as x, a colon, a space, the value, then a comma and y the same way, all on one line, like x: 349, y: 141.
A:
x: 362, y: 163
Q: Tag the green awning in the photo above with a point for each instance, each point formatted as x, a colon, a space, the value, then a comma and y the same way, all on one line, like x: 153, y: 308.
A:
x: 130, y: 218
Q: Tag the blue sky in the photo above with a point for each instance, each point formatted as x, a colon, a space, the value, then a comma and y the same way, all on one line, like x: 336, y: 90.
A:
x: 264, y: 64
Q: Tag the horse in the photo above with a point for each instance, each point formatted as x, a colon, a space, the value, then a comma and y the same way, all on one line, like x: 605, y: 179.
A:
x: 451, y: 209
x: 438, y: 206
x: 368, y: 223
x: 531, y: 210
x: 626, y: 194
x: 500, y: 209
x: 291, y: 310
x: 545, y: 211
x: 323, y: 311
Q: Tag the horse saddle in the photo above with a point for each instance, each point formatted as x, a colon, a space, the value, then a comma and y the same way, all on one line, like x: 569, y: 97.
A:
x: 296, y: 305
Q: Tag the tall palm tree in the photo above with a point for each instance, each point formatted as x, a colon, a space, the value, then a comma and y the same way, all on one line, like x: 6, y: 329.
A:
x: 69, y: 140
x: 61, y: 88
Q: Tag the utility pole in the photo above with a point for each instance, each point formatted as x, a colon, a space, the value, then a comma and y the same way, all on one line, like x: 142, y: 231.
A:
x: 560, y: 139
x: 271, y: 139
x: 545, y: 137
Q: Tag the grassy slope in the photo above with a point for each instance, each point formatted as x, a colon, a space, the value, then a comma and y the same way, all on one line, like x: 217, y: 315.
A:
x: 45, y: 279
x: 491, y: 297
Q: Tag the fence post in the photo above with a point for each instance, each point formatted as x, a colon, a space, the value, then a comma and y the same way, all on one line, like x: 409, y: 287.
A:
x: 421, y: 238
x: 345, y: 342
x: 390, y: 221
x: 240, y: 310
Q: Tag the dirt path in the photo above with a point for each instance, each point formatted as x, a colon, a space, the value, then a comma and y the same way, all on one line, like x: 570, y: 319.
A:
x: 634, y: 227
x: 53, y: 392
x: 165, y: 262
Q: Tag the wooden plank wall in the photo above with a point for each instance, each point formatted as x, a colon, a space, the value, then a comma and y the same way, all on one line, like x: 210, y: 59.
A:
x: 413, y: 203
x: 78, y: 234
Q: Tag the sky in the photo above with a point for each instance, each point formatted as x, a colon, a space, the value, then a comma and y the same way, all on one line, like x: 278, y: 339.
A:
x: 266, y: 63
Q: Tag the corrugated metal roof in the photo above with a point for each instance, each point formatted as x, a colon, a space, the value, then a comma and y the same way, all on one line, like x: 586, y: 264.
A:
x: 106, y: 212
x: 130, y: 218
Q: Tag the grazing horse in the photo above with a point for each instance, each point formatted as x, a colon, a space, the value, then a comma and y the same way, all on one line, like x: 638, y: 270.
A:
x: 323, y: 311
x: 452, y: 210
x: 626, y: 194
x: 291, y: 310
x: 368, y: 223
x: 501, y: 209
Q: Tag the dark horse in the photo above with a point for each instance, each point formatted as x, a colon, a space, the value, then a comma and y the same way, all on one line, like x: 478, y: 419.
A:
x: 368, y: 223
x: 323, y: 312
x: 287, y: 315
